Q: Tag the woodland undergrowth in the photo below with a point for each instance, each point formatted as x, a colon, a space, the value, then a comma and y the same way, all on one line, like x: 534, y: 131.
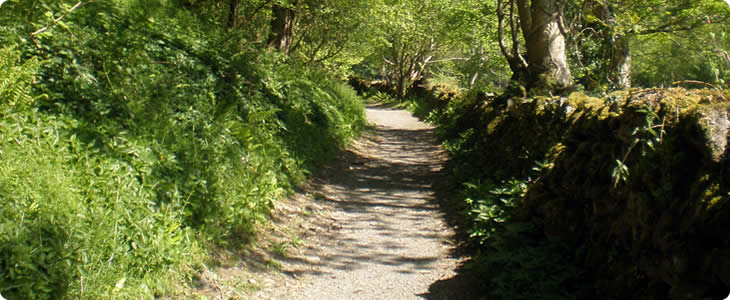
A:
x: 135, y: 137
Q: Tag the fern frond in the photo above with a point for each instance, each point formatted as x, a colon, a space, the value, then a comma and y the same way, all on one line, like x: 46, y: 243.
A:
x: 16, y: 79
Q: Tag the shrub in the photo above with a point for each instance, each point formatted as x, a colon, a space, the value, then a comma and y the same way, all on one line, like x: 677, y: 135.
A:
x: 145, y: 137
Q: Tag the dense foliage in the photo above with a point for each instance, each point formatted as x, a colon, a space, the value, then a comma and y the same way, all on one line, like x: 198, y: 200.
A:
x: 135, y: 135
x: 610, y: 45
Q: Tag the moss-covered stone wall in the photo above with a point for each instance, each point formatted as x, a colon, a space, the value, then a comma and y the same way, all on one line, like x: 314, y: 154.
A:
x: 658, y: 230
x: 637, y: 183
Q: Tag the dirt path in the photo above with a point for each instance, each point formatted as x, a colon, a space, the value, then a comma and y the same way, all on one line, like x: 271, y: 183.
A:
x: 372, y: 228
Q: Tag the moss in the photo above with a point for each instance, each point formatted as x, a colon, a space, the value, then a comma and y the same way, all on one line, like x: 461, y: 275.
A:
x: 672, y: 185
x: 712, y: 197
x: 657, y: 224
x: 582, y: 101
x: 494, y: 124
x: 678, y: 102
x: 710, y: 108
x: 556, y: 151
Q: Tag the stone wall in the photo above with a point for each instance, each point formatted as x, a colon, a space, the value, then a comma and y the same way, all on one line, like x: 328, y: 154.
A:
x: 659, y: 230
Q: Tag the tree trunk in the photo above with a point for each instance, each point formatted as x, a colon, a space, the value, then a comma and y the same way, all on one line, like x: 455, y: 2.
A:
x: 233, y: 14
x: 400, y: 88
x: 621, y: 63
x: 282, y: 28
x: 619, y: 60
x: 545, y: 42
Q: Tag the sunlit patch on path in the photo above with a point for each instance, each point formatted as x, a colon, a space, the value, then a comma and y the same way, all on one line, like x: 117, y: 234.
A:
x: 386, y: 237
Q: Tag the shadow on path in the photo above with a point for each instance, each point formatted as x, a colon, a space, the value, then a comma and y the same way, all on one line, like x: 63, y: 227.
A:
x: 386, y: 228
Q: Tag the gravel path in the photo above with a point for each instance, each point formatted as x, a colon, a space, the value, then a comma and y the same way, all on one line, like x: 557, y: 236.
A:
x: 382, y: 235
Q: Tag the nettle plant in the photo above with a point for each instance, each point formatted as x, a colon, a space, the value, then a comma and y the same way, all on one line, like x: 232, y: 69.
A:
x: 648, y: 135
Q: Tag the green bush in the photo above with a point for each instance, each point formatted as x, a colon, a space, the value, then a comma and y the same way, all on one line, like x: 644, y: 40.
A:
x: 135, y: 136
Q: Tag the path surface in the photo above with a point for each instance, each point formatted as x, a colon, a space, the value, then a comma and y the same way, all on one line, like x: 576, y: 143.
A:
x: 383, y: 236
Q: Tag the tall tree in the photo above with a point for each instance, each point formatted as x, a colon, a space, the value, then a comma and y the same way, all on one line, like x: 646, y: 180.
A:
x: 233, y: 19
x: 542, y: 27
x: 470, y: 51
x: 282, y: 26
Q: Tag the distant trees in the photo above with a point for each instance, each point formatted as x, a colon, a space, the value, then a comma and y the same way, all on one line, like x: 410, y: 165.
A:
x: 596, y: 25
x: 334, y: 33
x: 329, y: 33
x: 674, y: 24
x: 416, y: 36
x: 600, y: 34
x: 603, y: 32
x: 546, y: 45
x: 411, y: 34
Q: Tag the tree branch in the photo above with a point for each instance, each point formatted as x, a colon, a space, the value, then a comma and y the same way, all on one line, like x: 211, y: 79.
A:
x: 500, y: 28
x: 331, y: 54
x: 515, y: 27
x: 54, y: 22
x: 255, y: 12
x: 448, y: 59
